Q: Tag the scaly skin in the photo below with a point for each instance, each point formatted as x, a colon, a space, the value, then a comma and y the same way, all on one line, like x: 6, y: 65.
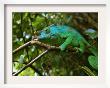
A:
x: 72, y: 37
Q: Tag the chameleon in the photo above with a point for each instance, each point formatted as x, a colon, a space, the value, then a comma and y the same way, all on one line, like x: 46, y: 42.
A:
x: 66, y: 36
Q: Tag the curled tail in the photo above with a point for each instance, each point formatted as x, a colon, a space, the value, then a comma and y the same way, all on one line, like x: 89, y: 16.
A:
x: 93, y: 59
x: 93, y: 51
x: 91, y: 48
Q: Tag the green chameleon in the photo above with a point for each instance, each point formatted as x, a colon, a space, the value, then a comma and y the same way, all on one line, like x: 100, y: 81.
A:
x: 66, y: 36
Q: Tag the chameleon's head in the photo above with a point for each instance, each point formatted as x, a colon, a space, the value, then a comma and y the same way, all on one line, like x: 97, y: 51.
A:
x: 48, y: 32
x: 43, y: 34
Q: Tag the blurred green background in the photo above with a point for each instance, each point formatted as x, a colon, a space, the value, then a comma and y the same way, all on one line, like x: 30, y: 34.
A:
x: 54, y: 63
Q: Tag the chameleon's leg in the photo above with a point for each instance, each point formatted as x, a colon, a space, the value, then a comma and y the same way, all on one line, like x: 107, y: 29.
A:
x: 66, y: 43
x: 82, y: 47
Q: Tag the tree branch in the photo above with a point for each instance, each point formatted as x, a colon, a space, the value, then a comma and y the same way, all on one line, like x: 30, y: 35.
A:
x: 47, y: 46
x: 30, y: 63
x: 21, y: 47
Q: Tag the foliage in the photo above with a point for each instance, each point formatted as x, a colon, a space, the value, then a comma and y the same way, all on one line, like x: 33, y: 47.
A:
x: 93, y: 62
x: 54, y: 63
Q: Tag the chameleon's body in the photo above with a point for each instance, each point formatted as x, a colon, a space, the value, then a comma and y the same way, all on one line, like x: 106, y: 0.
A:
x: 72, y: 37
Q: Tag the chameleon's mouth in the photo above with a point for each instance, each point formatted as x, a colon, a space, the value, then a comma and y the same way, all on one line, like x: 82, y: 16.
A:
x: 40, y: 37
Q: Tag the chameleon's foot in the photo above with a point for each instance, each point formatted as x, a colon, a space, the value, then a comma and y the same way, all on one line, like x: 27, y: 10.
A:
x: 62, y: 48
x: 77, y: 49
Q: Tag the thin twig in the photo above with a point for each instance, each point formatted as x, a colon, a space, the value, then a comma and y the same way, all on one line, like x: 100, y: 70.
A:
x: 87, y: 71
x: 31, y: 62
x: 31, y: 66
x: 21, y: 47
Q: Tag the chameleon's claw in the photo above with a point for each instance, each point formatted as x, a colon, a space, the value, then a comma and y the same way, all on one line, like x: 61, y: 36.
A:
x: 77, y: 49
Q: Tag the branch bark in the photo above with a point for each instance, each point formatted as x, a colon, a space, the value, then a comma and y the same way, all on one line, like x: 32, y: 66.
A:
x: 47, y: 46
x: 21, y: 47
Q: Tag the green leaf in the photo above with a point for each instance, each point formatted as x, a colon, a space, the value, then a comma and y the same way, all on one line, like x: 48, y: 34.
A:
x: 93, y: 61
x: 27, y: 72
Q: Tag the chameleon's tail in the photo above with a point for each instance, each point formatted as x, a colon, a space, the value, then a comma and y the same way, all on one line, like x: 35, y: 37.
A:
x: 93, y: 59
x: 93, y: 50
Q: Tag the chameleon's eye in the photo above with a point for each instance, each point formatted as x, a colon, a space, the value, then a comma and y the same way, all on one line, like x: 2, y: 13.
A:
x: 46, y: 29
